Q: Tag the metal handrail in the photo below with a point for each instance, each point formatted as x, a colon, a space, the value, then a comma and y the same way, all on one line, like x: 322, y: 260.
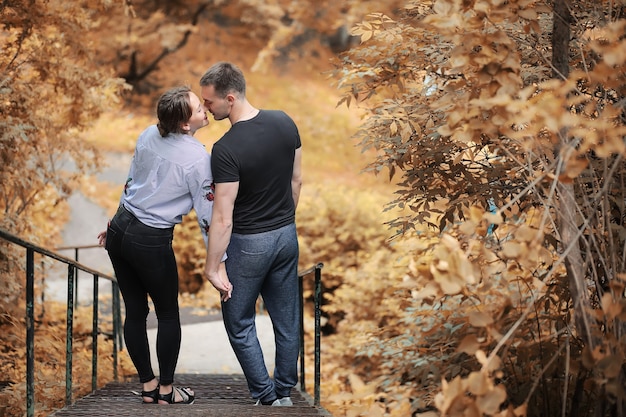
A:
x: 72, y: 267
x: 76, y: 250
x: 317, y: 296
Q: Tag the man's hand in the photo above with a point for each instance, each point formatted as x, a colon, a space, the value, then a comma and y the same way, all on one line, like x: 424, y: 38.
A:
x: 220, y: 281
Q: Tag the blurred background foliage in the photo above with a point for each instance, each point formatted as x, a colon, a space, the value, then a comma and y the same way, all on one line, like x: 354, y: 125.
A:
x: 476, y: 268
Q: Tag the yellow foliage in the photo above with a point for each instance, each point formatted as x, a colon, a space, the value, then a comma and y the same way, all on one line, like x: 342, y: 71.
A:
x: 495, y: 138
x: 462, y: 109
x: 50, y: 357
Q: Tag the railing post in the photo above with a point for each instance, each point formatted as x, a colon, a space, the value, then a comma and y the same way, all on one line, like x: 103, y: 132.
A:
x: 302, y: 364
x: 30, y: 332
x: 76, y: 278
x: 318, y: 332
x: 43, y: 292
x: 72, y: 274
x: 317, y: 295
x: 117, y: 342
x: 69, y: 331
x: 94, y: 336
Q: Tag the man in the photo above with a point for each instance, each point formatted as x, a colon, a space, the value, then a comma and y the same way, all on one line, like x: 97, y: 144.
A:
x: 257, y: 173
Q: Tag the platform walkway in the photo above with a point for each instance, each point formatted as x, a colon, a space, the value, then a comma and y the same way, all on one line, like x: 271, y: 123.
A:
x: 216, y: 395
x: 207, y: 365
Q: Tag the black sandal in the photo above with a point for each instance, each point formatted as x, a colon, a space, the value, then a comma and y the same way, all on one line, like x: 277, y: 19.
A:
x: 154, y: 394
x: 185, y: 393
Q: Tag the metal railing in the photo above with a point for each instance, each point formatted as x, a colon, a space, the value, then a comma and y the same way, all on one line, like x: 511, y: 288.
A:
x: 317, y: 297
x: 72, y: 300
x: 72, y: 268
x: 76, y: 250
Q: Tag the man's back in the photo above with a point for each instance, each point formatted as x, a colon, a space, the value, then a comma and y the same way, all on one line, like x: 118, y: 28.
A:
x: 259, y: 154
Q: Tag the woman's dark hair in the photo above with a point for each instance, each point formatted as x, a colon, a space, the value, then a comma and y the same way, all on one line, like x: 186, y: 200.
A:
x: 174, y: 109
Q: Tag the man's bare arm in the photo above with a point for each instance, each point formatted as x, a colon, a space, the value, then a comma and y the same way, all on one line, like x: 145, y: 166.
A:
x: 296, y: 178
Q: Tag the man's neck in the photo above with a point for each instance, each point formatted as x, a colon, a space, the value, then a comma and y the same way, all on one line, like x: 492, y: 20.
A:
x: 244, y: 112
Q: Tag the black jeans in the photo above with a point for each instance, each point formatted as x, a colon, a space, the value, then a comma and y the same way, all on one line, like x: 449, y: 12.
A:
x: 145, y: 264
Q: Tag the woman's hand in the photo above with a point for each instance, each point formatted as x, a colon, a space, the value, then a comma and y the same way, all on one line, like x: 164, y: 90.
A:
x: 102, y: 238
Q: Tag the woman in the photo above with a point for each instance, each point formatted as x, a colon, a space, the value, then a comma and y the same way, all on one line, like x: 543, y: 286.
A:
x: 169, y: 175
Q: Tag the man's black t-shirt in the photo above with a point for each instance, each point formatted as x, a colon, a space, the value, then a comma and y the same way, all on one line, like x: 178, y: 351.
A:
x: 259, y: 154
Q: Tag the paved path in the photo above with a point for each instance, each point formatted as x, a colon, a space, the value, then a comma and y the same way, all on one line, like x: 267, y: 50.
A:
x: 205, y: 348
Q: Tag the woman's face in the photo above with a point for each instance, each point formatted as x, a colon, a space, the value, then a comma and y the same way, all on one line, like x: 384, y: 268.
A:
x: 198, y: 117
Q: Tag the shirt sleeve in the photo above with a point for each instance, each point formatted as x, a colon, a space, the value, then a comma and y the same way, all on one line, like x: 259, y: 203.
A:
x: 129, y: 178
x: 201, y: 188
x: 224, y: 162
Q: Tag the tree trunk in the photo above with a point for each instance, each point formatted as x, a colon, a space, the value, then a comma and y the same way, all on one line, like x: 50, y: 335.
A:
x: 567, y: 199
x: 560, y: 38
x: 574, y: 264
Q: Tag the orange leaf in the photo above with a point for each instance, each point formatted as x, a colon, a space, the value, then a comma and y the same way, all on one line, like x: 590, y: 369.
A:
x: 469, y: 345
x: 490, y: 403
x: 480, y: 319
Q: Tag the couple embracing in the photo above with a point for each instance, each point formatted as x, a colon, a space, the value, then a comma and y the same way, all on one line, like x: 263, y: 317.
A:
x: 245, y: 194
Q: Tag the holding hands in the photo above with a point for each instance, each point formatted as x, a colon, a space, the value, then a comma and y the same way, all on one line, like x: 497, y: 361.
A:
x: 219, y: 279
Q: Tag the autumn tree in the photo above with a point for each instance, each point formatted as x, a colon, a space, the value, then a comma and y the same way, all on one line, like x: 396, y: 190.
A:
x: 51, y: 89
x: 507, y: 140
x: 142, y: 42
